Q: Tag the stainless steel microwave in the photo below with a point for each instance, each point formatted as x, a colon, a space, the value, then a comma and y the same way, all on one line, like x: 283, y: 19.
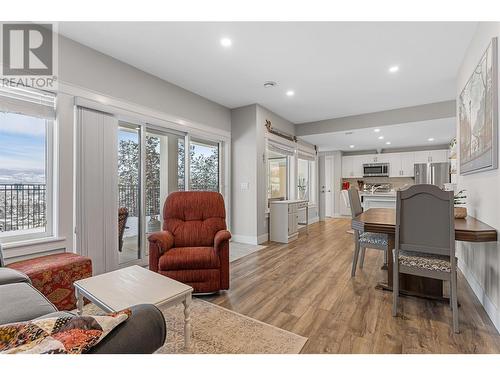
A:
x: 376, y: 170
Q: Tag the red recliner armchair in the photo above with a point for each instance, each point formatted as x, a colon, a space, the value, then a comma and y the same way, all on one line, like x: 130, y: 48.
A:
x: 193, y: 246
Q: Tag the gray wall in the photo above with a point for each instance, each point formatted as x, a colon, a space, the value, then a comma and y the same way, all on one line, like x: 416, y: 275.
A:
x: 249, y: 218
x: 278, y: 123
x: 480, y: 263
x: 243, y: 170
x: 84, y: 67
x: 424, y: 112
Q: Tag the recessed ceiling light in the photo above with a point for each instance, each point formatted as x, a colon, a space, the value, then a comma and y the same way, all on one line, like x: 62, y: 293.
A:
x: 381, y: 137
x: 430, y: 139
x: 394, y: 69
x: 387, y: 143
x: 351, y: 146
x: 226, y: 42
x: 376, y: 130
x: 290, y: 93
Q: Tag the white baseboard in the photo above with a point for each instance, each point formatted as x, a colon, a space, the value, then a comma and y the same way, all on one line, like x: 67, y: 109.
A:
x: 251, y: 240
x: 314, y: 220
x: 478, y: 290
x: 262, y: 238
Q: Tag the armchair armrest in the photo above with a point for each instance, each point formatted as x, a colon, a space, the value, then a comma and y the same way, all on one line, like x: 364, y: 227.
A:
x: 159, y: 242
x: 220, y: 237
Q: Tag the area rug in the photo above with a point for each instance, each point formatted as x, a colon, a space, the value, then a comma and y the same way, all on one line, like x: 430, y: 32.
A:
x: 217, y: 330
x: 239, y: 250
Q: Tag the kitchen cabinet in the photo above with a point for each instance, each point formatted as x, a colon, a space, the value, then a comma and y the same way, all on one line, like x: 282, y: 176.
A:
x: 431, y: 156
x: 401, y: 164
x: 407, y: 164
x: 378, y: 201
x: 347, y: 171
x: 352, y: 166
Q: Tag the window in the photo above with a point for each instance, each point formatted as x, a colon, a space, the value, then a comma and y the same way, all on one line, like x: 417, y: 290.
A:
x: 26, y: 127
x: 278, y: 177
x: 204, y: 165
x: 306, y: 180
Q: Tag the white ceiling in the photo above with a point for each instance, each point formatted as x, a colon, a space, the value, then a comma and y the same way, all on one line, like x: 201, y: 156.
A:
x: 414, y: 134
x: 335, y: 68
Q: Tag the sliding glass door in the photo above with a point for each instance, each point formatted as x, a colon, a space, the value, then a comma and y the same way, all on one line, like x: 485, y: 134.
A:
x: 152, y: 164
x: 129, y: 192
x: 164, y: 173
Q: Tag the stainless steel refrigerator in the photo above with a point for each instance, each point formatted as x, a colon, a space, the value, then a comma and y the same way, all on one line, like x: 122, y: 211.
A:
x: 432, y: 173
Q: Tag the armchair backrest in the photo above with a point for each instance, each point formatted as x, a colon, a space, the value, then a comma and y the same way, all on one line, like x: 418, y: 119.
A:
x: 194, y: 217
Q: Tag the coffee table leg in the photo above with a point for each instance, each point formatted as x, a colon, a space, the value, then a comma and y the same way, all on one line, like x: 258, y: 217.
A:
x: 187, y: 321
x: 79, y: 302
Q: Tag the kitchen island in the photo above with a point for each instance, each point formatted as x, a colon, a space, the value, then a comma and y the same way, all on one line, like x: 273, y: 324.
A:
x: 383, y: 199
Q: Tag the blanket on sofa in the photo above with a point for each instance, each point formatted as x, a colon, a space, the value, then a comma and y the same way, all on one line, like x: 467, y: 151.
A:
x: 58, y: 335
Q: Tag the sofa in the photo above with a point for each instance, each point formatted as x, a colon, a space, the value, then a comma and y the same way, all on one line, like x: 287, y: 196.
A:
x: 193, y: 246
x: 142, y: 333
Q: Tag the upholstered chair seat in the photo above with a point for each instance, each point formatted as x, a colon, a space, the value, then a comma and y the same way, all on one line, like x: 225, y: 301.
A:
x: 185, y: 258
x: 432, y: 262
x: 193, y: 246
x: 377, y: 239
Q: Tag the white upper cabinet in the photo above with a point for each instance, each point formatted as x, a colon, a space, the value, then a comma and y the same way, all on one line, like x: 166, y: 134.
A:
x: 352, y: 166
x: 347, y: 171
x: 407, y: 164
x: 422, y: 157
x: 439, y: 156
x: 433, y: 156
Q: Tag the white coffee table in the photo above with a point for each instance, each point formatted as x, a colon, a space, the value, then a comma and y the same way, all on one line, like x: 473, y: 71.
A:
x: 126, y: 287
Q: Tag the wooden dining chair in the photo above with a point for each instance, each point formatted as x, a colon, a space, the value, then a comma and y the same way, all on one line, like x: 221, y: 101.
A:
x: 425, y: 239
x: 363, y: 240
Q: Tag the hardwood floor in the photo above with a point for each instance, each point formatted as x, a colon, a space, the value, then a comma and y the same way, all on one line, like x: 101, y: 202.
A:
x: 305, y: 287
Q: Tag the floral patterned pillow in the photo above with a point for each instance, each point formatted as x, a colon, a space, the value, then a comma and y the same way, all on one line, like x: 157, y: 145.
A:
x: 58, y: 335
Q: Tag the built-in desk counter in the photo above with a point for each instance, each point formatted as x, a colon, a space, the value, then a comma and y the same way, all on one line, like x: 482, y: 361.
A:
x: 284, y: 219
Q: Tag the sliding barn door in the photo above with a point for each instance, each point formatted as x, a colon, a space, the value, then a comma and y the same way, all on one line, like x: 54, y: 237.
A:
x: 97, y: 189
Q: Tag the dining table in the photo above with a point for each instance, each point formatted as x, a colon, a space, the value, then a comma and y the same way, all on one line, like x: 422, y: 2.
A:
x: 383, y: 220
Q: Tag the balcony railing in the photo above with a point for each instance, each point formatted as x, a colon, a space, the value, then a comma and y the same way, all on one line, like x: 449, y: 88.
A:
x: 22, y: 206
x: 128, y: 196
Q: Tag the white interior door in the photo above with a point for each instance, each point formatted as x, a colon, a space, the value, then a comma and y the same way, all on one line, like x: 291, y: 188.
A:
x: 329, y: 187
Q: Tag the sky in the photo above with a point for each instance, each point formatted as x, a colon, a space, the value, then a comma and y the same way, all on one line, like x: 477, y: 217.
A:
x: 22, y: 149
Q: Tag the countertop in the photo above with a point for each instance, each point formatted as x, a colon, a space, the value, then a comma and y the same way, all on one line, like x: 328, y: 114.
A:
x: 378, y: 194
x: 288, y: 201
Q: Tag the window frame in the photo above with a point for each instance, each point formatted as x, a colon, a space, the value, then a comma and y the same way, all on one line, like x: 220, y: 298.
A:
x: 311, y: 180
x: 287, y: 177
x: 50, y: 191
x: 203, y: 142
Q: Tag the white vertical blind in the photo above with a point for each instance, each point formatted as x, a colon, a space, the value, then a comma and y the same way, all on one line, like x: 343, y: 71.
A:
x: 97, y: 189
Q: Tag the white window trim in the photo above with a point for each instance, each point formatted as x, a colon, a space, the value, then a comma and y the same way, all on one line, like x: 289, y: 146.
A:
x: 10, y: 238
x: 220, y: 151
